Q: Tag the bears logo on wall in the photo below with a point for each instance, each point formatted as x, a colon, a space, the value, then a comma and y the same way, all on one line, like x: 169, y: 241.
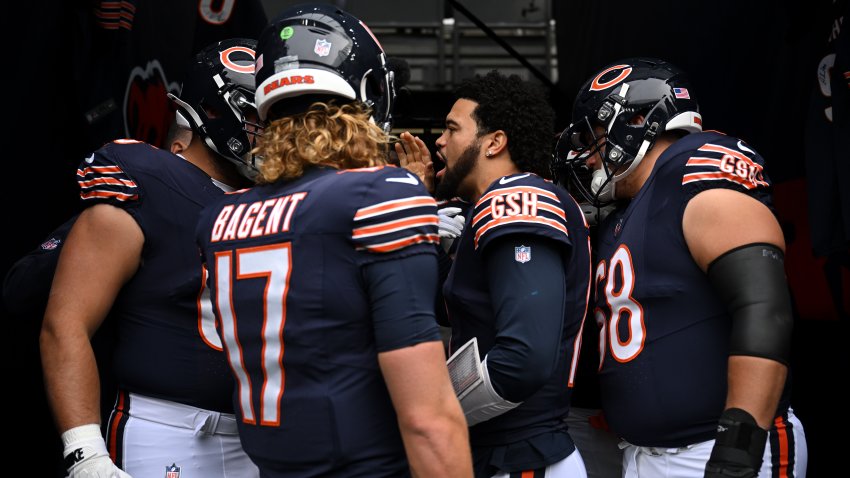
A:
x: 147, y: 110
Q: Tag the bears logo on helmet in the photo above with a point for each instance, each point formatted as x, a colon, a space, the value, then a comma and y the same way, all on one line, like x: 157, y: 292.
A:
x: 334, y: 50
x: 217, y: 101
x: 619, y: 113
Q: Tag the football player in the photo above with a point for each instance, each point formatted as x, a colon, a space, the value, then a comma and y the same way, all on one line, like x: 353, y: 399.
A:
x: 691, y: 299
x: 323, y: 276
x: 517, y: 291
x: 131, y: 253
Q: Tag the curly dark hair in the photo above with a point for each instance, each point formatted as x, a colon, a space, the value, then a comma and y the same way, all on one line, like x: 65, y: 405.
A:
x: 520, y: 109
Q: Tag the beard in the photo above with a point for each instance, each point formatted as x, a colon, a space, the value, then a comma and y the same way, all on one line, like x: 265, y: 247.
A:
x: 449, y: 186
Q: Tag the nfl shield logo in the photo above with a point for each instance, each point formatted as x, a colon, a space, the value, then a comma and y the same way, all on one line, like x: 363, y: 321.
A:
x: 172, y: 471
x: 323, y: 48
x: 51, y: 244
x: 522, y: 254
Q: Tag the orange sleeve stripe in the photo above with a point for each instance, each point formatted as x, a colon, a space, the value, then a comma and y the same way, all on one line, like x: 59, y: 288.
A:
x: 556, y: 210
x: 126, y: 5
x: 390, y: 226
x: 513, y: 219
x: 109, y: 194
x: 724, y: 150
x: 484, y: 213
x: 402, y: 243
x: 694, y: 177
x: 516, y: 189
x: 108, y: 181
x: 695, y: 161
x: 99, y: 170
x: 395, y: 205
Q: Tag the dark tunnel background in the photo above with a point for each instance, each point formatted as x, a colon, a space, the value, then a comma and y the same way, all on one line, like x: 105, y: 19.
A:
x: 754, y: 66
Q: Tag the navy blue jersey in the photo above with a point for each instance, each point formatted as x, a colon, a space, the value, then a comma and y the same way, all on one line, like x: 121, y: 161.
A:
x: 27, y: 284
x: 286, y: 268
x: 523, y: 204
x: 664, y: 334
x: 166, y: 342
x: 826, y: 141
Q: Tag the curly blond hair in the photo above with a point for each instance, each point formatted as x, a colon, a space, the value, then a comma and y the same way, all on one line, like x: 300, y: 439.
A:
x: 337, y: 136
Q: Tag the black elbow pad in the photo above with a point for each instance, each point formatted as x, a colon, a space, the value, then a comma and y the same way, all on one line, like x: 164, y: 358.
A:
x: 750, y: 280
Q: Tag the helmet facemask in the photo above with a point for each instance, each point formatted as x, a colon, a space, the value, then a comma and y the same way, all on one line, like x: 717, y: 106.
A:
x: 619, y: 115
x: 217, y: 103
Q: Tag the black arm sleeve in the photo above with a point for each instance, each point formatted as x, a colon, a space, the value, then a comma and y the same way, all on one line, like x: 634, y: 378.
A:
x: 528, y: 300
x: 401, y: 293
x: 750, y: 280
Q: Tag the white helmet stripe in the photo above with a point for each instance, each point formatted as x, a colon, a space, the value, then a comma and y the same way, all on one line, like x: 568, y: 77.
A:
x: 300, y: 81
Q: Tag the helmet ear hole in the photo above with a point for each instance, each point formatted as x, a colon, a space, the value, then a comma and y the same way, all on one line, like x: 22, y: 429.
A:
x: 374, y: 87
x: 210, y: 111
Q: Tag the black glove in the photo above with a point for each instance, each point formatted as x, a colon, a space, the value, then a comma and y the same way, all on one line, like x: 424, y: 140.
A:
x: 738, y: 448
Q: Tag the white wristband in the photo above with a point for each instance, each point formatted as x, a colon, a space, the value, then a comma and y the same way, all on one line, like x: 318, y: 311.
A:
x: 80, y: 434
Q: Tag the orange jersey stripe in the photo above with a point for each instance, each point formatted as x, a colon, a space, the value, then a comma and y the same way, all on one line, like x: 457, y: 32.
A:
x: 552, y: 209
x: 731, y: 152
x: 99, y: 170
x: 397, y: 225
x: 402, y: 243
x: 517, y: 189
x: 394, y: 205
x: 697, y: 161
x: 109, y: 194
x: 108, y: 181
x: 107, y: 15
x: 690, y: 178
x: 540, y: 205
x: 513, y: 219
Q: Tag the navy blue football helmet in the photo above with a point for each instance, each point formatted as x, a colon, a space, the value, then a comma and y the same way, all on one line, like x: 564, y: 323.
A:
x: 607, y: 119
x: 318, y: 52
x: 217, y: 100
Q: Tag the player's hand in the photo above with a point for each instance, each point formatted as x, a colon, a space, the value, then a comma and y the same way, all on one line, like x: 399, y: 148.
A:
x: 451, y: 225
x: 86, y: 456
x: 414, y: 156
x: 738, y: 448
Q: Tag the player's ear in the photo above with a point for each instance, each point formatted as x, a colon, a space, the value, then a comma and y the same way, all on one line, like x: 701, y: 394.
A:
x: 496, y: 142
x: 180, y: 142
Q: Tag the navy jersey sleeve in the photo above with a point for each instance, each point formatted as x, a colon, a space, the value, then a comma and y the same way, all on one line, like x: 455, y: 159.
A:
x: 27, y: 284
x: 401, y: 294
x: 102, y: 179
x: 530, y: 310
x: 396, y: 217
x: 725, y: 162
x: 524, y: 204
